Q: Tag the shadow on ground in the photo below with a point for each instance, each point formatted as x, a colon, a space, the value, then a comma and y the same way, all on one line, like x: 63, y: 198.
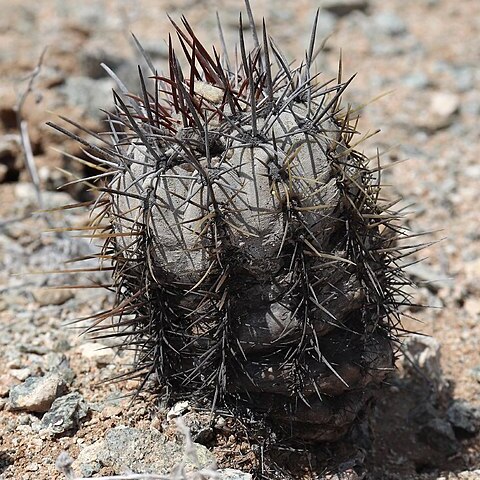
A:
x: 414, y: 429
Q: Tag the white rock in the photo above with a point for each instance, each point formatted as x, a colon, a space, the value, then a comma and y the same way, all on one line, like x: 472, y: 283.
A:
x: 25, y: 193
x: 177, y: 410
x: 99, y: 353
x: 469, y: 475
x: 32, y: 467
x: 440, y: 113
x: 444, y: 104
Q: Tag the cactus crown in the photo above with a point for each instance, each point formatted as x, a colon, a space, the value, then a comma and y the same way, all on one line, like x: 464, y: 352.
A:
x: 253, y: 259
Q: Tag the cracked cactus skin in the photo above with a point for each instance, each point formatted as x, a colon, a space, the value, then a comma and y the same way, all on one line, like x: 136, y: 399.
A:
x: 253, y: 262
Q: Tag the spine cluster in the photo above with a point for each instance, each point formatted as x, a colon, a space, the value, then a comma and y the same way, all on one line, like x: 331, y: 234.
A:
x: 253, y: 260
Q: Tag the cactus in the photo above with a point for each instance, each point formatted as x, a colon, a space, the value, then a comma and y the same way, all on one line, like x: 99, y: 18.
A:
x: 253, y: 261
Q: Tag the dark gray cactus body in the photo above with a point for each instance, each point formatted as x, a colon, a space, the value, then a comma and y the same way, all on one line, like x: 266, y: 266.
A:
x: 253, y: 262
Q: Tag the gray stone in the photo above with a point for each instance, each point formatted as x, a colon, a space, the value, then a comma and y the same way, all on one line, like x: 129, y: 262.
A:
x: 36, y: 394
x: 27, y: 195
x: 344, y: 7
x: 417, y: 80
x: 424, y: 275
x: 389, y: 23
x: 97, y: 352
x: 140, y: 451
x: 93, y: 55
x: 439, y: 435
x: 423, y: 413
x: 64, y: 464
x: 65, y: 413
x: 89, y: 94
x: 89, y: 15
x: 51, y: 77
x: 464, y: 417
x: 26, y: 419
x: 441, y: 113
x: 405, y: 45
x: 33, y: 348
x: 424, y: 353
x: 232, y: 474
x: 464, y: 78
x: 46, y: 296
x: 58, y: 363
x: 156, y: 49
x: 326, y: 24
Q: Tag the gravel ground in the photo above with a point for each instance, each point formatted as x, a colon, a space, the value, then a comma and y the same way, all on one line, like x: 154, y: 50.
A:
x: 422, y: 54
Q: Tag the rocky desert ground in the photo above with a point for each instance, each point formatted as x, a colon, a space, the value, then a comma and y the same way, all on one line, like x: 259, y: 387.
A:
x: 418, y: 75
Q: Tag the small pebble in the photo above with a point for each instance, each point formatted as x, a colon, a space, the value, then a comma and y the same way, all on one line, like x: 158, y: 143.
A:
x: 45, y: 296
x: 99, y: 353
x: 32, y: 467
x: 341, y: 8
x: 464, y: 417
x: 177, y: 410
x: 20, y: 373
x: 389, y: 23
x: 36, y: 394
x: 439, y: 435
x: 233, y: 474
x: 65, y: 413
